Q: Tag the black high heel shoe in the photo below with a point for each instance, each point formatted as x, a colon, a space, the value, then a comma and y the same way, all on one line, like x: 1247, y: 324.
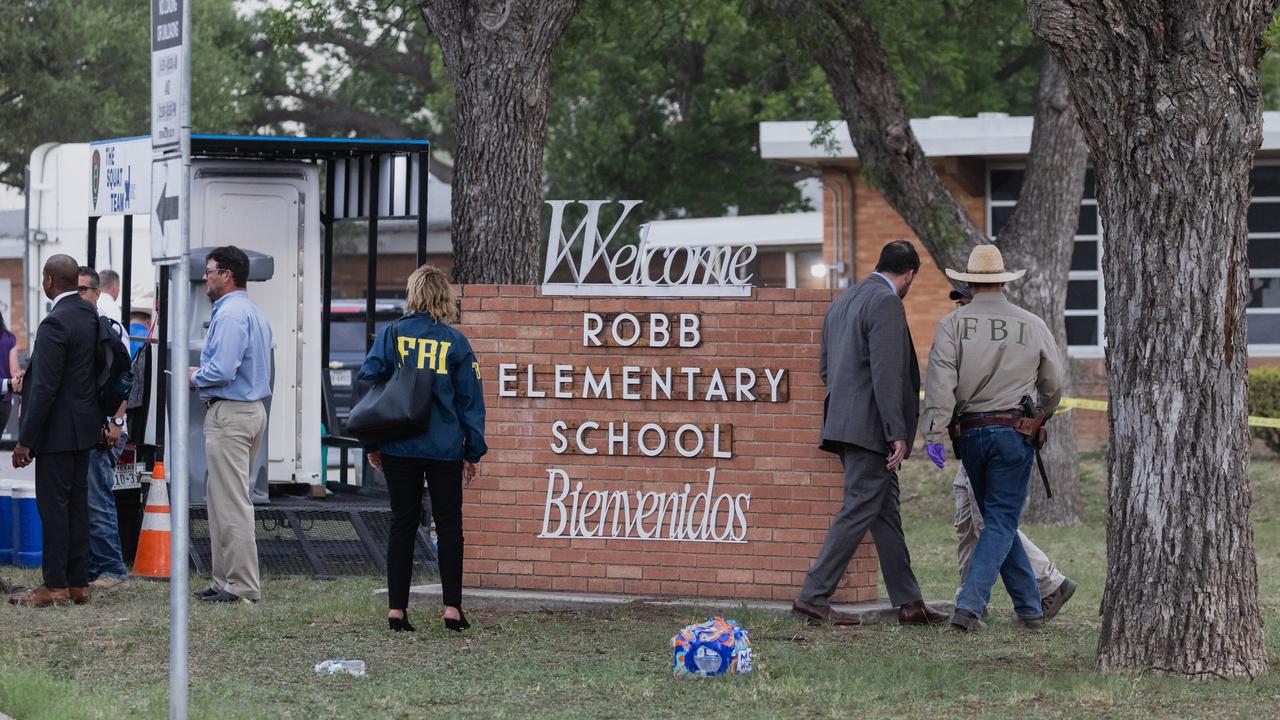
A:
x: 398, y: 624
x: 457, y: 625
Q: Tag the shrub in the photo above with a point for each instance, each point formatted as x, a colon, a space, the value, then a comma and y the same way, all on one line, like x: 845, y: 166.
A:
x: 1264, y: 401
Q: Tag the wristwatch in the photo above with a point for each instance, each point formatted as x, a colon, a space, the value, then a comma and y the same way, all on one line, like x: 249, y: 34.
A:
x: 118, y: 422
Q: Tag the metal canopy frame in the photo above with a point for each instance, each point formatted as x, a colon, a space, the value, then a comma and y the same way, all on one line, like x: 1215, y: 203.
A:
x: 367, y: 154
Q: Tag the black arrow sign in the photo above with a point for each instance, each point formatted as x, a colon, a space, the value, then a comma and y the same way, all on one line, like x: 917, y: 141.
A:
x: 166, y: 208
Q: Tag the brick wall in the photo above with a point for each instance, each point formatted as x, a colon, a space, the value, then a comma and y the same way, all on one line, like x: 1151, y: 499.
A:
x: 794, y: 488
x: 15, y: 316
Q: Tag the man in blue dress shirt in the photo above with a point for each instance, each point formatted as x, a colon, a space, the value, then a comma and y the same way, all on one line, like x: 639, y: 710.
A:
x: 233, y: 379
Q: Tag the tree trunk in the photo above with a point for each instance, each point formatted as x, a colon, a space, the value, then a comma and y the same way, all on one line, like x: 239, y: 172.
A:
x: 1040, y: 236
x: 1041, y: 233
x: 1170, y: 105
x: 498, y: 54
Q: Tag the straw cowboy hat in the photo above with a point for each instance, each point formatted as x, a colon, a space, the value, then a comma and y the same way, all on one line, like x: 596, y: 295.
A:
x: 985, y: 266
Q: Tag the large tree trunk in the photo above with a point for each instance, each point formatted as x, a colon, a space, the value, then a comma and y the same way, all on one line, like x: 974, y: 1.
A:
x: 1039, y: 237
x: 1170, y: 105
x: 498, y: 54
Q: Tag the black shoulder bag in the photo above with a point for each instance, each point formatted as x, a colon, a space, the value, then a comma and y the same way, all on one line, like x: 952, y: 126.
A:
x: 395, y: 409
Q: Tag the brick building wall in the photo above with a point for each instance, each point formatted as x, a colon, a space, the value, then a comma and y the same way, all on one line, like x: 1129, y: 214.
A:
x: 794, y: 488
x: 16, y: 316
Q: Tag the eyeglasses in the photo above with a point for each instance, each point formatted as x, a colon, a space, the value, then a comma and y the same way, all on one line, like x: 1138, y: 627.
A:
x: 207, y: 271
x: 86, y: 288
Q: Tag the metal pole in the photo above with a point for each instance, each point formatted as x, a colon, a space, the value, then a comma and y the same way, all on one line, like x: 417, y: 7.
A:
x: 326, y: 219
x: 371, y: 299
x: 424, y: 159
x: 126, y: 274
x: 92, y: 250
x: 178, y: 597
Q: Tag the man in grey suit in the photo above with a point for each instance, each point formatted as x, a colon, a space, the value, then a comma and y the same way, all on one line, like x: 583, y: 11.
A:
x: 873, y: 383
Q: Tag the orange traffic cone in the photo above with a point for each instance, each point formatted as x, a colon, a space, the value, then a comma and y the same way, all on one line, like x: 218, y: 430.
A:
x: 153, y: 543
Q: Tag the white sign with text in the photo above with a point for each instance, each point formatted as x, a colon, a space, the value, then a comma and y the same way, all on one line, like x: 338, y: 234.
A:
x: 589, y: 263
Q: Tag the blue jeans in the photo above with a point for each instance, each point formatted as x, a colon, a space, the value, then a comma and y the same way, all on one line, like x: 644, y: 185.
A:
x: 998, y: 461
x: 105, y: 557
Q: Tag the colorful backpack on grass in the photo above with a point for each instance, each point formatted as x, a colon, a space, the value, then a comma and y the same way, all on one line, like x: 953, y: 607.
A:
x: 715, y: 647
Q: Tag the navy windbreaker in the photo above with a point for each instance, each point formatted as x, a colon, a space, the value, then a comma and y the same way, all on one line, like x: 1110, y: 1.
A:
x: 457, y: 413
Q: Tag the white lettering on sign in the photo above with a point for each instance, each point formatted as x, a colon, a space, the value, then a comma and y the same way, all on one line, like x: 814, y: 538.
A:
x: 706, y: 517
x: 634, y: 382
x: 576, y: 262
x: 626, y: 329
x: 688, y: 440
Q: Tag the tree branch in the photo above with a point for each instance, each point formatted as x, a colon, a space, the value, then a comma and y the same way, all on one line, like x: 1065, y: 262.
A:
x: 386, y: 58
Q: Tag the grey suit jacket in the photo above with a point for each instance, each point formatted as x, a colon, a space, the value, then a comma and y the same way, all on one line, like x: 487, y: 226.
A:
x: 869, y: 366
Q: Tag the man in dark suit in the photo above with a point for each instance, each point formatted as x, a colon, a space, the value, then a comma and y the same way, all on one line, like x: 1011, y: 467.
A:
x: 60, y: 423
x: 873, y: 383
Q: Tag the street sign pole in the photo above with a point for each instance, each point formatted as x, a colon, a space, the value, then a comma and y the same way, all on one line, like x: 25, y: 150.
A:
x: 171, y: 245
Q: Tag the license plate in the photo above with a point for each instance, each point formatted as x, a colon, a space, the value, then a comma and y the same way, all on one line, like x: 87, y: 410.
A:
x: 340, y: 377
x: 128, y: 476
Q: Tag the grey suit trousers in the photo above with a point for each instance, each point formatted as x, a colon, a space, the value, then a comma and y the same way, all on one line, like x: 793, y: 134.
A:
x: 870, y: 503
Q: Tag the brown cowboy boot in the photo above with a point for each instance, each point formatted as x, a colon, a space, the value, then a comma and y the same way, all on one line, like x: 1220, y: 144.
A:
x: 79, y: 595
x: 42, y: 597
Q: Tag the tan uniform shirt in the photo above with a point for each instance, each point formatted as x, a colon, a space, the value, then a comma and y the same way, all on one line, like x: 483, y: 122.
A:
x: 985, y: 357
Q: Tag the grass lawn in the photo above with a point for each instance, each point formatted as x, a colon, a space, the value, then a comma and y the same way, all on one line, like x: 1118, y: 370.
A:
x: 109, y: 659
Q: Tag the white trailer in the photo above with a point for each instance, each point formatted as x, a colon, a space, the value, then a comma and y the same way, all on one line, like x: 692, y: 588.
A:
x: 261, y: 194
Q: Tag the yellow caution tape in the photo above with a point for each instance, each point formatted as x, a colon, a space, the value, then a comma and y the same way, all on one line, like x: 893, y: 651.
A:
x: 1101, y: 405
x: 1084, y: 404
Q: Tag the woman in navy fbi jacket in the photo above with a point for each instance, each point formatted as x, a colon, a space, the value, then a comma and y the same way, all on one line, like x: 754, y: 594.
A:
x: 443, y: 457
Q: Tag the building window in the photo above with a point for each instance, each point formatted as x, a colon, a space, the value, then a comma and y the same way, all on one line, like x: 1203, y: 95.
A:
x: 1085, y: 298
x: 1263, y: 308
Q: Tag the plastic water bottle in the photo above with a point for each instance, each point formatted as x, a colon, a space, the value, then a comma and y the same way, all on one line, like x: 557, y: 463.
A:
x: 354, y: 668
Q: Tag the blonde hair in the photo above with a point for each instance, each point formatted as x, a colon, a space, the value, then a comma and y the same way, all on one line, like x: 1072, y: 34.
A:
x: 429, y: 292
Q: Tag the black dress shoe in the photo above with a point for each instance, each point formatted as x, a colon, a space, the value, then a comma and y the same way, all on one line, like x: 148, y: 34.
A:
x: 222, y: 596
x: 918, y: 613
x: 457, y: 625
x: 400, y: 624
x: 205, y: 593
x: 818, y: 614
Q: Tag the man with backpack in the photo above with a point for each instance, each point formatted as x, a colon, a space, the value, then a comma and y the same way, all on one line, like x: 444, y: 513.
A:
x: 106, y: 561
x: 61, y: 421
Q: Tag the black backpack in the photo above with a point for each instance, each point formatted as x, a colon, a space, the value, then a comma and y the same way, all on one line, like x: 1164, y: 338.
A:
x: 115, y: 373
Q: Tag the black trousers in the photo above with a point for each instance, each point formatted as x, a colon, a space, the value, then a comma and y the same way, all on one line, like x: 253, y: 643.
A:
x: 405, y: 480
x: 62, y: 496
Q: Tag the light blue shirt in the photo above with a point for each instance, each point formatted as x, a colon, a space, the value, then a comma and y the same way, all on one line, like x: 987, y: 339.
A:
x: 236, y: 361
x: 892, y: 287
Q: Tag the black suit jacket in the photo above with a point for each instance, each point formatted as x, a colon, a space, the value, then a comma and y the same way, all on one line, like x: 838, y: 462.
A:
x: 60, y: 410
x: 869, y: 366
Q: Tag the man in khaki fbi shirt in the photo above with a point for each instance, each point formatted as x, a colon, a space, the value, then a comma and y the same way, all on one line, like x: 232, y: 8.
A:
x: 985, y: 357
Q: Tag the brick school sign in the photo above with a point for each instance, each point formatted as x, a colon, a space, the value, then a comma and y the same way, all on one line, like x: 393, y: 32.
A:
x: 657, y: 446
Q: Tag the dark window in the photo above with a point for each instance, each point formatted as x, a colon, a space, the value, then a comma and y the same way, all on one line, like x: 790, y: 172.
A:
x: 346, y: 336
x: 1264, y: 293
x: 1084, y: 256
x: 1088, y: 224
x: 1264, y: 217
x: 1082, y: 295
x: 999, y: 218
x: 1006, y: 184
x: 1082, y: 330
x: 1264, y: 253
x: 769, y: 269
x: 1090, y: 184
x: 1265, y: 180
x: 1264, y: 329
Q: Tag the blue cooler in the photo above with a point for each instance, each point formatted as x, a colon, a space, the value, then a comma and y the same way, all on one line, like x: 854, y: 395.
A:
x: 6, y: 521
x: 28, y: 544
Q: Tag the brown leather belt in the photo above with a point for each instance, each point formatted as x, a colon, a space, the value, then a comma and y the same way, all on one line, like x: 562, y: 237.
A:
x: 1008, y: 418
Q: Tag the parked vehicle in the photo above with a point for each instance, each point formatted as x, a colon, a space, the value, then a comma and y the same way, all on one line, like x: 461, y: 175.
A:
x: 347, y: 347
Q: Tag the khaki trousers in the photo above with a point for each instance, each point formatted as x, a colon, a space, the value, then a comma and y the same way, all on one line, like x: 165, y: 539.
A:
x: 969, y: 527
x: 233, y: 434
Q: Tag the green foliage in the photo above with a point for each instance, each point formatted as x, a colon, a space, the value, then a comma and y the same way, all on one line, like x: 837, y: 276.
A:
x: 958, y: 57
x: 1264, y: 401
x: 72, y: 71
x: 662, y: 102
